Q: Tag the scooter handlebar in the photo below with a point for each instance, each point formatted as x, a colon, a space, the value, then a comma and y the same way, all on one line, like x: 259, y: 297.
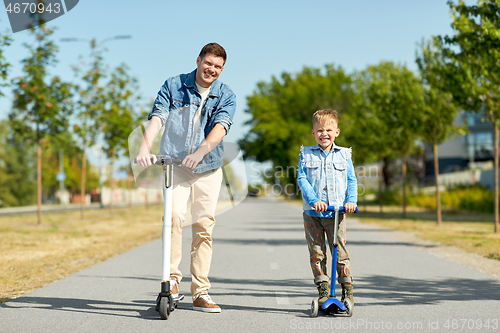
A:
x: 332, y: 209
x: 164, y: 159
x: 341, y: 209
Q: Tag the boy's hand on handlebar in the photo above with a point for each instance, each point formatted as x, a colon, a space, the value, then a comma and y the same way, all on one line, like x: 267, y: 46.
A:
x: 320, y: 207
x: 350, y: 207
x: 146, y: 159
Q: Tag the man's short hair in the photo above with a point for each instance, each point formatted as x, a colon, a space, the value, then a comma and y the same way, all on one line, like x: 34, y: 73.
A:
x: 325, y: 116
x: 215, y: 49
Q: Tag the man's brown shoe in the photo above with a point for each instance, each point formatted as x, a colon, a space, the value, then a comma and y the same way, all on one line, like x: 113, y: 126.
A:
x: 205, y: 303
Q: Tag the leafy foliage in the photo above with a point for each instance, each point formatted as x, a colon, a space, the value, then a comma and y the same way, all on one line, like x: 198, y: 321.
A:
x: 5, y: 40
x: 17, y: 168
x: 473, y: 52
x: 118, y: 118
x: 42, y: 104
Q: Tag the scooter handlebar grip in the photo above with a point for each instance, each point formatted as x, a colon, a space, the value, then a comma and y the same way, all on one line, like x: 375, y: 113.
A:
x: 341, y: 209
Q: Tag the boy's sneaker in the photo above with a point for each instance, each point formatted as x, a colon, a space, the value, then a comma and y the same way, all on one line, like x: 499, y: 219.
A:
x: 205, y: 303
x: 174, y: 290
x: 347, y: 292
x: 324, y: 292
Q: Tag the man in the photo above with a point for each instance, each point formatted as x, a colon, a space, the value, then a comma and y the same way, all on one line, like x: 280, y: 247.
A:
x: 196, y: 110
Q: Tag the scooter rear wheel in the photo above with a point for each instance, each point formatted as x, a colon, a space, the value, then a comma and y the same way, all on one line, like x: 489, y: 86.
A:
x: 314, y: 308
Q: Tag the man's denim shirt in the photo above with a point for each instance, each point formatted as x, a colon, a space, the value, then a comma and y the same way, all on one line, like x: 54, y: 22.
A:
x: 177, y: 103
x: 326, y: 176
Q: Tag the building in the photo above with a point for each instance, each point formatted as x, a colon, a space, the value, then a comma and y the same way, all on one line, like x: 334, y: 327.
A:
x: 474, y: 150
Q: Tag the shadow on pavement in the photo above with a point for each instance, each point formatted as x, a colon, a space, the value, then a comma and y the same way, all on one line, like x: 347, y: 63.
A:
x: 302, y: 242
x: 393, y: 291
x: 141, y: 309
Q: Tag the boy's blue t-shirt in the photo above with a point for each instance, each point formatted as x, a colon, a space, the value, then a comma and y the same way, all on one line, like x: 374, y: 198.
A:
x: 309, y: 194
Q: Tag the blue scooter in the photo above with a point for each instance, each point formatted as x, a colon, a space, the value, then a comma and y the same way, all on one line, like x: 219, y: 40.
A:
x: 332, y: 305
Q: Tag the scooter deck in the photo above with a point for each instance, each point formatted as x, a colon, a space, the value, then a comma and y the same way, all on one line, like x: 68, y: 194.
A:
x: 332, y: 304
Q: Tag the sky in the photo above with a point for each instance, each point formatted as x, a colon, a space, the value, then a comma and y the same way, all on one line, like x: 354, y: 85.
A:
x: 262, y: 38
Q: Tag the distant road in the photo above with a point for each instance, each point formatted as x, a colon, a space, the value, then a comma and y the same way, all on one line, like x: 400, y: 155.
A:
x: 9, y: 211
x: 262, y: 280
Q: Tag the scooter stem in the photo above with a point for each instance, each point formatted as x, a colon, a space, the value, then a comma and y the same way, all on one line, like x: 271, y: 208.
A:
x: 167, y: 219
x: 334, y: 253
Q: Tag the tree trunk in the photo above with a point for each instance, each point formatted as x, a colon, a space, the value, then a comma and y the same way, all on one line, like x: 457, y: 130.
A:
x: 403, y: 173
x: 39, y: 179
x: 111, y: 182
x: 387, y: 176
x: 82, y: 191
x: 497, y: 130
x: 436, y: 175
x: 380, y: 166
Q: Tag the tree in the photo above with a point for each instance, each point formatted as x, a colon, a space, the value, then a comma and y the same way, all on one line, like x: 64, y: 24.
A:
x: 117, y: 119
x: 42, y: 104
x: 439, y: 110
x: 282, y: 112
x: 473, y: 54
x: 17, y: 176
x: 92, y: 101
x: 389, y: 111
x: 5, y: 41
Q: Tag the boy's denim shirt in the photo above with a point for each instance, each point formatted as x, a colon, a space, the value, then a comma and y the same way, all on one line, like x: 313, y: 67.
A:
x: 328, y: 177
x: 177, y: 103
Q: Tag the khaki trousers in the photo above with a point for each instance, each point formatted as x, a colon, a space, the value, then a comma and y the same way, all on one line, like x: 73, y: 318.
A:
x: 315, y: 229
x: 204, y: 191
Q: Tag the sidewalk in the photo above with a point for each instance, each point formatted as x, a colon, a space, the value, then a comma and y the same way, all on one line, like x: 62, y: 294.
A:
x: 262, y: 280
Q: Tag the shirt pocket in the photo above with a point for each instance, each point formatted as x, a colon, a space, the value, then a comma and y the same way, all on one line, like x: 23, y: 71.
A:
x: 313, y: 168
x: 340, y: 166
x: 178, y: 116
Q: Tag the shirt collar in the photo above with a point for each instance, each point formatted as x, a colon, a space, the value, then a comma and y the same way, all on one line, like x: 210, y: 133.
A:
x: 215, y: 87
x: 334, y: 146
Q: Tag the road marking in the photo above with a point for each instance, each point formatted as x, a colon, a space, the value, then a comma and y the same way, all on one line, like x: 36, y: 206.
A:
x: 274, y: 265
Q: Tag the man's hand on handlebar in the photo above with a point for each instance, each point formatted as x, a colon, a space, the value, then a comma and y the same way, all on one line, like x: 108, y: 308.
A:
x: 145, y: 159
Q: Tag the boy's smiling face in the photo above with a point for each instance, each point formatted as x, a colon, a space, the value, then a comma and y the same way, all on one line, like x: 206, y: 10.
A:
x: 325, y: 134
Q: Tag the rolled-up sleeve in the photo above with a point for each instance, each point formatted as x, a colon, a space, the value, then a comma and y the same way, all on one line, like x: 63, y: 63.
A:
x: 162, y: 103
x: 225, y: 112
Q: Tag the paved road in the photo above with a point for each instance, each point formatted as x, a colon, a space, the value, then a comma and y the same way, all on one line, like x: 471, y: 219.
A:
x: 261, y: 278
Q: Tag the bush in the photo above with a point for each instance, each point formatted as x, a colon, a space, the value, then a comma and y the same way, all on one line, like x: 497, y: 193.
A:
x: 394, y: 196
x: 474, y: 198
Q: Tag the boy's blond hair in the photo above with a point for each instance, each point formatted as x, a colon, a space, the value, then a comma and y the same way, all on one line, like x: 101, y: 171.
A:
x: 325, y: 116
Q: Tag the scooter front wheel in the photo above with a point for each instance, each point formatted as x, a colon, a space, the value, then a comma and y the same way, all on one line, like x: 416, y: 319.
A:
x: 314, y: 308
x: 348, y: 307
x: 164, y: 308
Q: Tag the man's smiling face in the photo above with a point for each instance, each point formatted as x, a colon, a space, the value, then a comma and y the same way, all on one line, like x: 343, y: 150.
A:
x: 208, y: 69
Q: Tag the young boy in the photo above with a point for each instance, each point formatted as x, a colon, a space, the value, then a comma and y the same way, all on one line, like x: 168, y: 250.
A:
x: 326, y: 178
